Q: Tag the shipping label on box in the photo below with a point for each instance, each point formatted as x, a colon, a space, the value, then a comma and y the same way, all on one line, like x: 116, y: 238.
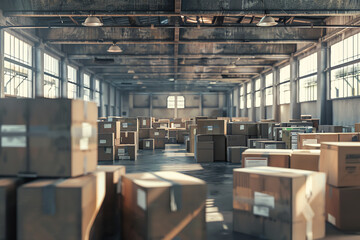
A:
x: 210, y: 128
x: 124, y: 125
x: 102, y: 141
x: 242, y: 127
x: 144, y: 122
x: 262, y: 204
x: 107, y: 125
x: 156, y: 133
x: 270, y: 146
x: 147, y: 144
x: 17, y: 140
x: 108, y: 150
x: 256, y: 162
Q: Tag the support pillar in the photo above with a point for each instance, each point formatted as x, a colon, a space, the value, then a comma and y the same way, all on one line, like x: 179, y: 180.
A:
x: 262, y: 97
x: 39, y: 71
x: 246, y: 111
x: 2, y: 53
x: 295, y: 110
x: 276, y: 92
x: 151, y: 105
x: 253, y: 110
x: 64, y: 78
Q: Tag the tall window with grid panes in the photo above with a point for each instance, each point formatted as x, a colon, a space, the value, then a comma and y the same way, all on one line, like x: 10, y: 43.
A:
x: 87, y: 87
x: 257, y: 93
x: 269, y: 82
x: 72, y: 85
x: 308, y: 78
x: 51, y: 76
x: 284, y: 85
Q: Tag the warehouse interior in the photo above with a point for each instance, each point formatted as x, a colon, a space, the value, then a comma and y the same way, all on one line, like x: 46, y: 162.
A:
x: 225, y: 105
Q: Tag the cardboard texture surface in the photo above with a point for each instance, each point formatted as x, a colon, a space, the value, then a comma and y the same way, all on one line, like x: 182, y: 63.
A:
x: 266, y: 157
x: 126, y: 152
x: 106, y: 139
x: 211, y: 126
x: 241, y: 128
x: 305, y: 160
x: 106, y: 153
x: 316, y: 138
x: 109, y: 127
x: 234, y: 154
x: 148, y: 144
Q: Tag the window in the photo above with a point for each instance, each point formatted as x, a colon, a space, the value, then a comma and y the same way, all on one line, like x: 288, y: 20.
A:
x: 248, y: 95
x: 242, y: 100
x: 51, y: 77
x: 284, y: 87
x: 180, y: 101
x: 18, y: 72
x: 87, y: 89
x: 345, y: 80
x: 257, y: 93
x: 269, y: 99
x: 308, y: 78
x: 97, y: 92
x: 72, y: 82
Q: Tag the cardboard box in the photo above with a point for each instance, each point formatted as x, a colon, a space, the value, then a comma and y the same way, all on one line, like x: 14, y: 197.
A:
x: 252, y: 142
x: 204, y: 152
x: 188, y: 123
x: 148, y: 144
x: 127, y: 138
x: 270, y: 144
x: 113, y: 118
x: 330, y: 129
x: 149, y: 198
x: 187, y: 144
x: 160, y: 143
x: 145, y: 122
x: 60, y: 143
x: 279, y: 203
x: 236, y: 140
x: 126, y: 152
x: 342, y: 207
x: 316, y: 138
x: 181, y: 134
x: 109, y: 127
x: 348, y: 137
x: 268, y: 157
x: 200, y: 118
x: 219, y: 145
x: 106, y: 153
x: 172, y: 133
x: 59, y: 209
x: 129, y: 124
x: 305, y: 160
x: 312, y: 146
x: 109, y: 217
x: 177, y: 125
x: 8, y: 189
x: 211, y: 126
x: 240, y: 128
x: 357, y: 127
x: 341, y: 163
x: 234, y: 154
x: 265, y: 130
x: 239, y: 119
x: 158, y: 133
x: 161, y: 123
x: 106, y: 139
x: 144, y: 133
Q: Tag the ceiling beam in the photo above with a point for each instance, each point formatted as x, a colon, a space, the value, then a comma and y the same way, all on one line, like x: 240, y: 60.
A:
x: 188, y: 56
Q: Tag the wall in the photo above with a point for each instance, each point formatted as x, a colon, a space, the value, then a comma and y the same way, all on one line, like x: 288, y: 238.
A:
x: 209, y: 104
x: 285, y: 113
x: 268, y: 112
x: 309, y: 108
x: 346, y: 112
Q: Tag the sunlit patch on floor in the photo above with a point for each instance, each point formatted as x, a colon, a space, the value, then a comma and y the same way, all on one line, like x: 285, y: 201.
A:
x: 181, y: 167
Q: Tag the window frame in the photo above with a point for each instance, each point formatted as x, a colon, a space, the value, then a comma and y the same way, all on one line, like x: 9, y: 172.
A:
x: 284, y: 82
x: 52, y: 76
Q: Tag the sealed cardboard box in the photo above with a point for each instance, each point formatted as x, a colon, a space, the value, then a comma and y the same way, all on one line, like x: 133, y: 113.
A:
x: 211, y: 126
x: 158, y: 133
x: 270, y: 144
x: 8, y: 188
x: 240, y: 128
x: 188, y: 123
x: 161, y: 123
x: 177, y: 124
x: 200, y: 118
x: 109, y: 216
x: 234, y: 154
x: 312, y: 146
x: 265, y: 129
x: 357, y: 127
x: 106, y: 153
x: 181, y: 134
x: 279, y: 203
x: 219, y: 145
x: 145, y: 122
x: 348, y: 137
x: 109, y: 127
x: 330, y: 129
x: 148, y: 144
x: 266, y: 157
x: 204, y: 152
x: 316, y: 138
x: 160, y: 143
x: 305, y: 160
x: 129, y: 124
x: 172, y: 133
x: 252, y: 142
x: 126, y: 152
x: 59, y: 209
x: 106, y: 139
x: 236, y: 140
x: 144, y: 133
x: 127, y: 138
x: 341, y: 207
x: 61, y: 143
x: 149, y: 198
x: 341, y: 163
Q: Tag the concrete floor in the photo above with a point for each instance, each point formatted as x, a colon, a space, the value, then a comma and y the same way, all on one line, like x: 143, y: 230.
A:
x: 219, y: 179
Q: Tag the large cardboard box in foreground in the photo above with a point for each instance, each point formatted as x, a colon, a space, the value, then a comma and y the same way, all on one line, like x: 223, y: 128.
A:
x: 279, y: 203
x: 266, y: 157
x: 305, y: 160
x: 59, y: 209
x: 234, y: 154
x: 8, y: 188
x: 47, y: 137
x: 341, y: 163
x: 342, y: 207
x: 156, y: 205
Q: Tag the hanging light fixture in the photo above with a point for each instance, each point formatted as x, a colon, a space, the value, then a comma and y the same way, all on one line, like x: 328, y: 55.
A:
x: 92, y: 21
x: 267, y: 21
x: 114, y: 48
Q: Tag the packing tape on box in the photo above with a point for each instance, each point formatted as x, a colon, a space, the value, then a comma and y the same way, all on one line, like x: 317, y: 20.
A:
x: 85, y: 110
x: 175, y: 193
x: 49, y: 197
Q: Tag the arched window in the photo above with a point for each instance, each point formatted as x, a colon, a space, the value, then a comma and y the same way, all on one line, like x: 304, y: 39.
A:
x: 180, y: 101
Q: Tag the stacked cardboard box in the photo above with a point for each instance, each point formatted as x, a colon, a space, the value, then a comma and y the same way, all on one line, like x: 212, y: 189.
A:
x: 211, y: 126
x: 305, y: 160
x: 192, y: 135
x: 252, y: 142
x: 266, y: 157
x: 238, y: 133
x: 160, y: 137
x: 330, y: 129
x: 109, y: 132
x: 265, y: 129
x: 290, y: 135
x: 127, y: 145
x: 269, y: 144
x: 340, y: 161
x: 316, y: 138
x: 279, y: 203
x: 161, y: 123
x: 234, y: 154
x: 177, y: 123
x: 210, y: 148
x: 148, y: 144
x: 145, y: 122
x: 357, y: 127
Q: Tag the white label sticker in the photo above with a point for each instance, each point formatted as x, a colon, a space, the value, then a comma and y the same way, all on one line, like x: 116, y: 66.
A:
x: 108, y: 150
x: 15, y: 142
x: 263, y: 199
x: 141, y: 199
x: 102, y: 141
x: 156, y: 133
x: 195, y: 131
x: 121, y: 151
x: 107, y: 125
x: 210, y: 128
x: 242, y: 127
x: 84, y: 143
x: 147, y: 144
x: 270, y: 146
x: 110, y: 119
x: 144, y: 123
x: 163, y: 125
x: 261, y: 211
x: 254, y: 143
x: 331, y: 219
x: 269, y: 130
x: 177, y: 125
x: 309, y: 141
x: 86, y: 130
x: 13, y: 128
x: 124, y: 125
x: 255, y: 162
x: 124, y: 157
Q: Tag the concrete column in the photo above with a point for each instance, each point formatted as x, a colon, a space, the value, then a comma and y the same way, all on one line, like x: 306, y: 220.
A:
x: 109, y: 100
x: 151, y: 105
x: 64, y: 78
x: 238, y: 107
x: 324, y: 106
x: 102, y: 102
x: 2, y: 53
x: 80, y: 80
x: 276, y: 92
x: 39, y: 70
x: 295, y: 110
x: 246, y: 112
x: 201, y: 105
x: 253, y: 109
x: 92, y: 87
x: 230, y: 104
x: 262, y: 97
